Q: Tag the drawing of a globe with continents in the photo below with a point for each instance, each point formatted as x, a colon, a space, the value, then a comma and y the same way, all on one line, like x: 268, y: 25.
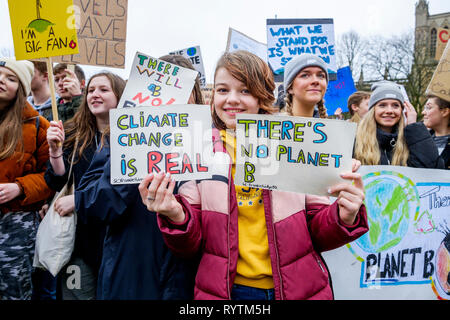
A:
x: 391, y: 200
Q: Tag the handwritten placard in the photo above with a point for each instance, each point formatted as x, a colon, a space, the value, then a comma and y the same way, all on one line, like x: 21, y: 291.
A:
x: 296, y: 154
x: 239, y: 41
x: 155, y: 82
x: 339, y: 90
x: 102, y: 30
x: 440, y: 82
x: 43, y: 28
x: 404, y: 255
x: 174, y: 139
x: 194, y: 55
x: 288, y: 38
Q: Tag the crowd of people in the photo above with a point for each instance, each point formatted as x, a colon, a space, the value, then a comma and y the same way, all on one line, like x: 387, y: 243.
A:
x: 194, y: 239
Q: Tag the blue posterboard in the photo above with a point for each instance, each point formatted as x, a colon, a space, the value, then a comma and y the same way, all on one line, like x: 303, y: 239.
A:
x: 339, y: 90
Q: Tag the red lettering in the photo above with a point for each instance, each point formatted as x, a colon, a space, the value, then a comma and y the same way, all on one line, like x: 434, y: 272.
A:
x: 199, y: 166
x: 441, y: 36
x: 141, y: 100
x: 154, y: 157
x: 170, y: 165
x: 186, y: 164
x: 158, y: 102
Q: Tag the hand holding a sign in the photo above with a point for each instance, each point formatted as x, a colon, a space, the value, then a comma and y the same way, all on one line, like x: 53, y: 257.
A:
x: 158, y: 196
x: 71, y: 83
x: 55, y: 138
x: 350, y: 197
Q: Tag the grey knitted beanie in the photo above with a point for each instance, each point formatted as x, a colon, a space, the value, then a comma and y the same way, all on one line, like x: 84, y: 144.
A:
x: 297, y: 64
x: 385, y: 91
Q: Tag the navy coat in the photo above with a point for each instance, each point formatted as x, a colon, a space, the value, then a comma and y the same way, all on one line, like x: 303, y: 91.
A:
x: 136, y: 263
x: 422, y: 149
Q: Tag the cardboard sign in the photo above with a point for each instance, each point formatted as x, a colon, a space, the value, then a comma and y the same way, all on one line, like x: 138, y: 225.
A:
x: 339, y: 90
x: 404, y: 255
x: 43, y: 28
x: 102, y: 31
x: 154, y: 82
x: 239, y: 41
x: 440, y: 82
x: 174, y: 139
x: 441, y: 41
x: 296, y: 154
x: 288, y: 38
x: 194, y: 55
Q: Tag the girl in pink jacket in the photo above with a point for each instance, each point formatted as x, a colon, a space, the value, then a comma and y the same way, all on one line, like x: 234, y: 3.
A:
x: 254, y: 244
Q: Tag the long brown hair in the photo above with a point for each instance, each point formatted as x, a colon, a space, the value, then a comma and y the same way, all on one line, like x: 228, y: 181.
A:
x: 83, y: 125
x: 254, y: 73
x: 183, y: 62
x: 11, y: 125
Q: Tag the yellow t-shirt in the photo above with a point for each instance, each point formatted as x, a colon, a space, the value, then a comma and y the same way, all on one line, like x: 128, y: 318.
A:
x: 254, y: 267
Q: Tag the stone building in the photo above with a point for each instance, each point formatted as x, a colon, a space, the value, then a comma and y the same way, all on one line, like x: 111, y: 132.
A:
x: 426, y: 29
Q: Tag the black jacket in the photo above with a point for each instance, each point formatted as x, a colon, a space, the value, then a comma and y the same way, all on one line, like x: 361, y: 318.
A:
x: 136, y: 262
x: 445, y: 155
x: 422, y: 149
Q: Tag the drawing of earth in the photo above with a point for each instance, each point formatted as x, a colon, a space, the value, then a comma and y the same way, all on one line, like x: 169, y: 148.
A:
x: 391, y: 200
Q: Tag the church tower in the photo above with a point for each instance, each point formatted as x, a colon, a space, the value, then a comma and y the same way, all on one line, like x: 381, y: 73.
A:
x: 422, y: 27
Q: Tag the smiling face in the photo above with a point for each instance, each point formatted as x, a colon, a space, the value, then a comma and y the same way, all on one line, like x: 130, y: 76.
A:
x: 433, y: 116
x: 100, y: 97
x: 308, y: 88
x: 231, y: 97
x: 9, y: 84
x: 388, y: 113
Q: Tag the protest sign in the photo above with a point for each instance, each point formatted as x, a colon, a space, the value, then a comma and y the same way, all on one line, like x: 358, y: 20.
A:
x: 102, y: 30
x: 154, y: 82
x: 173, y: 139
x: 239, y: 41
x: 339, y: 90
x: 441, y: 41
x: 296, y: 154
x: 194, y: 55
x: 440, y: 82
x: 405, y: 253
x: 42, y: 28
x: 288, y: 38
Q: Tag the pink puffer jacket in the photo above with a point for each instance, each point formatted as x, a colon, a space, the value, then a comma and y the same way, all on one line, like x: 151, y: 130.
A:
x: 299, y: 226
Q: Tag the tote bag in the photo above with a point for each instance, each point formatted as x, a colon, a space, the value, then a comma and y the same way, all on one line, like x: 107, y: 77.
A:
x: 55, y: 237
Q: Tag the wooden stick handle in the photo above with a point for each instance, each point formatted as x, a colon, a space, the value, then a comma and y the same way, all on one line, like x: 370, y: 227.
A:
x: 51, y: 82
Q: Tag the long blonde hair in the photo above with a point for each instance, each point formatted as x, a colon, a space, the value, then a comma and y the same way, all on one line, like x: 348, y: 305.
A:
x: 367, y: 149
x: 11, y: 125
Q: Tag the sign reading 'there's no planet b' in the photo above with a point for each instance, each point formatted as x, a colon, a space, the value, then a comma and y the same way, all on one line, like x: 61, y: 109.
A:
x: 296, y: 154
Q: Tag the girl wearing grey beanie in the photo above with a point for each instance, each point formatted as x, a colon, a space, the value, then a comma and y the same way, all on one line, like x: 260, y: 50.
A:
x: 305, y: 82
x: 389, y: 134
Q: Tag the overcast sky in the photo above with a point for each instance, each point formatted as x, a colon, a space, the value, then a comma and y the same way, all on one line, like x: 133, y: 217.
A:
x: 157, y: 27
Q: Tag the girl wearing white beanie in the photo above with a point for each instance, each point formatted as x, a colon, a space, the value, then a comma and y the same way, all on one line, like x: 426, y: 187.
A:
x: 23, y: 156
